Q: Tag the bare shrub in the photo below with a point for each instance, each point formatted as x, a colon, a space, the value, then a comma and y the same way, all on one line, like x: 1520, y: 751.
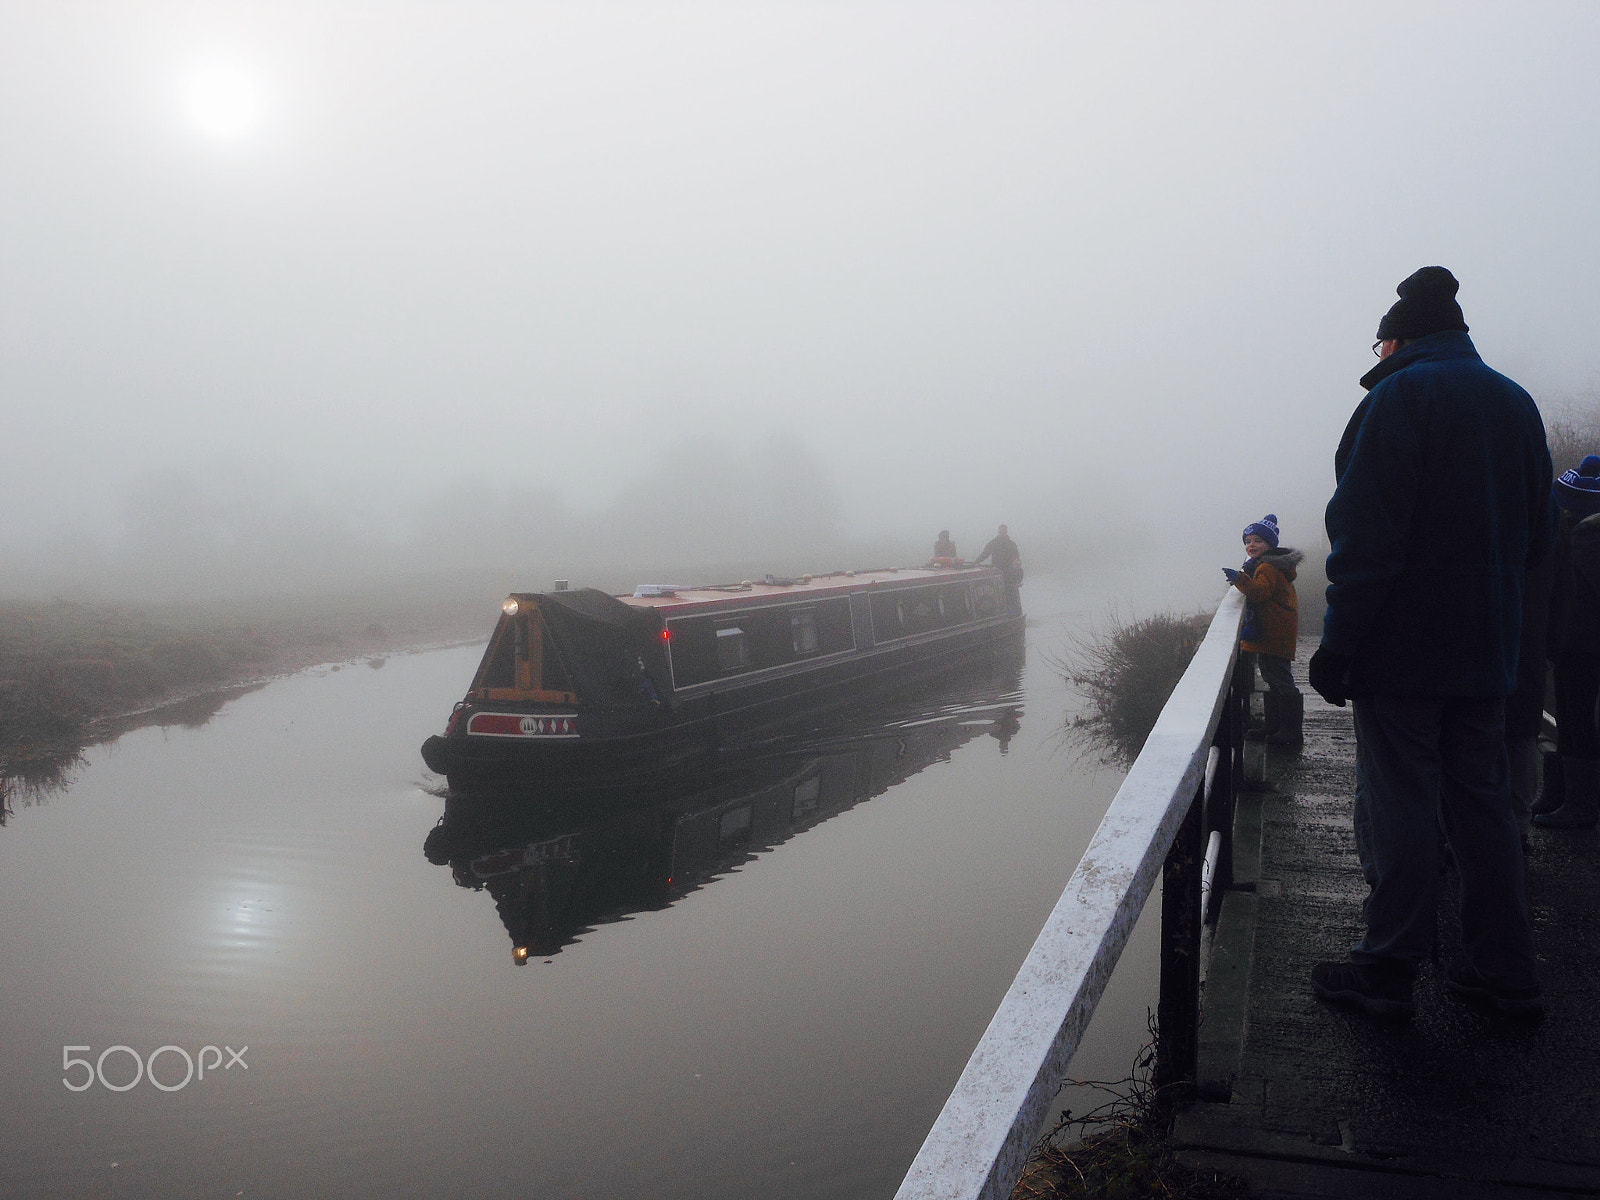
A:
x: 1126, y: 670
x: 1121, y: 1149
x: 1573, y: 434
x: 42, y: 726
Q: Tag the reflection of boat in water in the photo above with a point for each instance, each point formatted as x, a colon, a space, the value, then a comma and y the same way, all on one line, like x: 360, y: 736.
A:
x: 583, y: 679
x: 559, y: 861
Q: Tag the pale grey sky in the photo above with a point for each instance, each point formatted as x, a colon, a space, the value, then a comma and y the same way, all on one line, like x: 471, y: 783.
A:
x: 1075, y: 266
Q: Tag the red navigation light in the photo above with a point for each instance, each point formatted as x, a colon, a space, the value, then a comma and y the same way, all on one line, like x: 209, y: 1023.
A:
x: 666, y: 635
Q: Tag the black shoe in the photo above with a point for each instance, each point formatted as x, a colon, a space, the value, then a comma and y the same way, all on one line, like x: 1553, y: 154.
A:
x: 1570, y: 815
x: 1525, y: 1003
x: 1377, y: 989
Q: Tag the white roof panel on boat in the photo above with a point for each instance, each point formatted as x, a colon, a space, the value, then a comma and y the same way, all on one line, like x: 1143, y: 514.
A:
x: 816, y: 585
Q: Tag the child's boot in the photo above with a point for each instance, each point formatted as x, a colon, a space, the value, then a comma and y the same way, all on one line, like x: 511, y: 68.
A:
x: 1288, y: 731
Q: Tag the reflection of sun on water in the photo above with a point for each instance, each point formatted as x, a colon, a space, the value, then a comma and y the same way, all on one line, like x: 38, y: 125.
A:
x: 249, y: 918
x: 224, y: 101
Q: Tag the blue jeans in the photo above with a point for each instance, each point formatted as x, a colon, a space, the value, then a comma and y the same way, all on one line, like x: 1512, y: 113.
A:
x: 1276, y: 673
x: 1420, y: 761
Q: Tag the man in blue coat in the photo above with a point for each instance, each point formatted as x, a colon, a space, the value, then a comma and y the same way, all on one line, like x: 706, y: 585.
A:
x: 1442, y: 504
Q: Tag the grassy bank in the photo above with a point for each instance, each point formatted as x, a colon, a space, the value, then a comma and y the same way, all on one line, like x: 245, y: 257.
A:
x: 68, y: 668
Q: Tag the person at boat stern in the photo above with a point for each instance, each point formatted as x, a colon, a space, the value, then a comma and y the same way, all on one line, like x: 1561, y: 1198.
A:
x: 944, y: 547
x: 1271, y: 625
x: 1003, y: 552
x: 1442, y: 504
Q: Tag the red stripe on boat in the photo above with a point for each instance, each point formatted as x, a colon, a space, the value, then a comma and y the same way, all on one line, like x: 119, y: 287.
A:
x: 520, y: 725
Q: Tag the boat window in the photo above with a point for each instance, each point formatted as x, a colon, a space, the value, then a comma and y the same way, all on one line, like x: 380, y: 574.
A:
x: 733, y: 653
x: 886, y: 617
x: 956, y: 604
x: 704, y: 647
x: 920, y: 611
x: 907, y: 611
x: 692, y: 651
x: 835, y: 631
x: 803, y: 631
x: 987, y: 594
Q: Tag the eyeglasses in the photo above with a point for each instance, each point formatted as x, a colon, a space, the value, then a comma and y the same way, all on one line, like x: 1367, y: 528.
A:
x: 1377, y: 348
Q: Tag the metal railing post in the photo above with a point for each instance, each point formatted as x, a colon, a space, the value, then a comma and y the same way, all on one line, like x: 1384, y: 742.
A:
x: 1178, y: 1009
x: 1230, y: 738
x: 1182, y: 904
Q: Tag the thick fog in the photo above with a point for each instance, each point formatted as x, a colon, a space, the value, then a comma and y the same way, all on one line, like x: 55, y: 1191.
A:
x: 309, y: 293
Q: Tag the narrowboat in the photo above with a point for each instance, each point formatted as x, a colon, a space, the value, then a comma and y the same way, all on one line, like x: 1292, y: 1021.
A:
x: 581, y: 680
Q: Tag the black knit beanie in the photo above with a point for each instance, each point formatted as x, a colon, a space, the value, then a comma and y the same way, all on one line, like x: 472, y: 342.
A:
x: 1427, y: 305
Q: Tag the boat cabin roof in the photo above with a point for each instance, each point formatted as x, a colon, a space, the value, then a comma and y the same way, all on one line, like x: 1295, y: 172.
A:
x: 671, y: 598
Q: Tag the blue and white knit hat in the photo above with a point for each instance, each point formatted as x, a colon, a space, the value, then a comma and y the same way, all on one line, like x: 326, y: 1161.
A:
x: 1266, y: 529
x: 1578, y: 490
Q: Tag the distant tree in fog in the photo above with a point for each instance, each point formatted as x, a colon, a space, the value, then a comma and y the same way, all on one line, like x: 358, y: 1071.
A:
x: 219, y: 530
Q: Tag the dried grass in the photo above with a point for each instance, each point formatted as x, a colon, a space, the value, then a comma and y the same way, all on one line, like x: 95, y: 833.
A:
x: 1120, y: 1150
x: 1573, y: 434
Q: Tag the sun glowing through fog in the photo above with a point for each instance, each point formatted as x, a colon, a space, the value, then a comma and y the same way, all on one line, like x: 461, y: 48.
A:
x: 224, y: 101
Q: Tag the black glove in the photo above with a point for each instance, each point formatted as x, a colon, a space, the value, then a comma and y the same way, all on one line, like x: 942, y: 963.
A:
x: 1327, y: 672
x: 1233, y: 576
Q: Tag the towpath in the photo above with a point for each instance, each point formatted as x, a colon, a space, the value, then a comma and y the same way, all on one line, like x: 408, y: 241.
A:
x: 1305, y: 1100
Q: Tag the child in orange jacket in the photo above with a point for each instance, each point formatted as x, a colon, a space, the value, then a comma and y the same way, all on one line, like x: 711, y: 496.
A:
x: 1272, y: 625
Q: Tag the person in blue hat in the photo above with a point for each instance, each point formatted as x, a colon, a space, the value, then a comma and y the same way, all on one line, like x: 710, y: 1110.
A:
x: 1572, y: 793
x: 1272, y: 625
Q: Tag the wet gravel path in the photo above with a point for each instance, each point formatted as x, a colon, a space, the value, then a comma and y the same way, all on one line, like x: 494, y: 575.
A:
x: 1308, y: 1100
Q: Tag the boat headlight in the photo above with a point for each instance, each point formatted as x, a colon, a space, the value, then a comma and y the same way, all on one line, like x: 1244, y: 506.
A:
x: 511, y: 607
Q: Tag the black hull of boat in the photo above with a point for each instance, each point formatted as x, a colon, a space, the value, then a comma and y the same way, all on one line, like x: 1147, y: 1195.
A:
x: 695, y: 727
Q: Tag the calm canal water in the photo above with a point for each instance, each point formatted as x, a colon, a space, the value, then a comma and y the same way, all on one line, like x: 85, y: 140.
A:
x: 762, y: 981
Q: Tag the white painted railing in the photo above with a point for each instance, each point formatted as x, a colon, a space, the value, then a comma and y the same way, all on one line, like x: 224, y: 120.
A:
x: 981, y: 1140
